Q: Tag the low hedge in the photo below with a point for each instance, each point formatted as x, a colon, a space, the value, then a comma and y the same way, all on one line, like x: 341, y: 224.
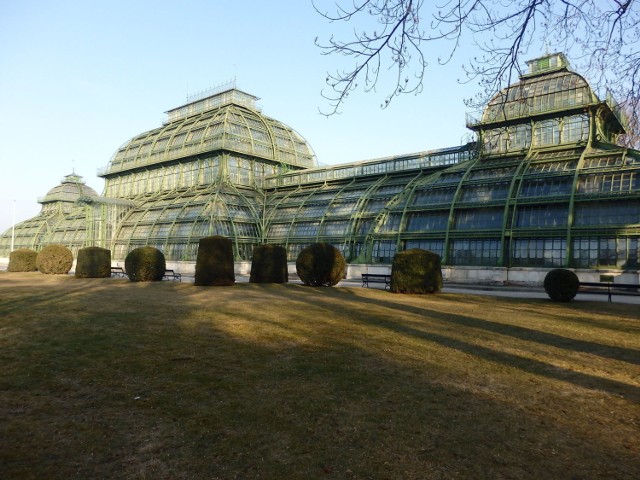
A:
x: 22, y: 260
x: 214, y: 262
x: 93, y: 262
x: 145, y: 264
x: 416, y: 271
x: 269, y: 264
x: 54, y: 260
x: 320, y: 265
x: 561, y: 285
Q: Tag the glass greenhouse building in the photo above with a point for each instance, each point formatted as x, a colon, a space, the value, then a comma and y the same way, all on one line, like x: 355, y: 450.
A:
x: 544, y: 186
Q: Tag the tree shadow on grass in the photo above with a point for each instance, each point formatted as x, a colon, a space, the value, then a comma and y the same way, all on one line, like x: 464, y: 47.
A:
x: 631, y: 392
x: 628, y: 355
x: 174, y: 389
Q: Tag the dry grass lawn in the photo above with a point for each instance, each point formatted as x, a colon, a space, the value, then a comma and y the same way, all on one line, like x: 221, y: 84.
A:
x: 103, y: 378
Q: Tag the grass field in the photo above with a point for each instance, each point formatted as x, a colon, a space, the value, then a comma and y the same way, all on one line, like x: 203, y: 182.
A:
x: 103, y: 378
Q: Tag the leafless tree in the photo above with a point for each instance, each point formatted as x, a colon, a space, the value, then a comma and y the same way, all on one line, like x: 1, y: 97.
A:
x: 397, y: 37
x: 632, y: 137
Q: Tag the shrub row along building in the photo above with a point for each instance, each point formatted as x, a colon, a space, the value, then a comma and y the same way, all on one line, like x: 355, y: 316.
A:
x: 545, y: 185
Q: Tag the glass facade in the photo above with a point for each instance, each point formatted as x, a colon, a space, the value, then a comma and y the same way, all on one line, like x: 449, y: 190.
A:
x: 544, y: 185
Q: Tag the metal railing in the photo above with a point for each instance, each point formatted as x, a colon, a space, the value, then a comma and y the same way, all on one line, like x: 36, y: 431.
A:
x: 513, y: 110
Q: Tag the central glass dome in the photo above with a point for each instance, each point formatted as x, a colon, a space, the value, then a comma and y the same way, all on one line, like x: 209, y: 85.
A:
x: 227, y: 120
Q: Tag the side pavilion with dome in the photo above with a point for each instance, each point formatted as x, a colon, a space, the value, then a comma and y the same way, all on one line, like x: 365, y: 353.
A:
x: 544, y: 186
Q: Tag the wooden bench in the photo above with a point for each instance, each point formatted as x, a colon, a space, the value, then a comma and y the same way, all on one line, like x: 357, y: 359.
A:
x: 368, y: 278
x: 172, y: 275
x: 118, y: 272
x: 609, y: 288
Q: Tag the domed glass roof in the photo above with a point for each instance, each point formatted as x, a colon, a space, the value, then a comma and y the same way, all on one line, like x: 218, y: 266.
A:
x: 71, y: 188
x: 545, y: 89
x: 228, y: 120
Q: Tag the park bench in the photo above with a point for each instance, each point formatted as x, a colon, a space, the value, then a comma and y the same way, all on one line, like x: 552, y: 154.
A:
x: 172, y: 275
x: 118, y: 272
x: 368, y: 278
x: 606, y: 286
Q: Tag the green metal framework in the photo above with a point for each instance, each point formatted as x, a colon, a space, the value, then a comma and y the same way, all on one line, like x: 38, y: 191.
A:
x: 62, y: 219
x: 544, y: 185
x: 226, y: 121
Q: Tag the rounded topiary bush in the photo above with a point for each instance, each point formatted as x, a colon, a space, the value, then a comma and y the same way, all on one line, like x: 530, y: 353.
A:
x: 561, y: 285
x: 416, y: 271
x: 320, y: 265
x: 145, y: 264
x: 269, y: 264
x: 54, y: 260
x: 93, y: 262
x: 22, y: 260
x: 214, y: 262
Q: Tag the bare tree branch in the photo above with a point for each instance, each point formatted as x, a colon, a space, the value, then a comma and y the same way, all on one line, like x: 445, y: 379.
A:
x: 602, y: 37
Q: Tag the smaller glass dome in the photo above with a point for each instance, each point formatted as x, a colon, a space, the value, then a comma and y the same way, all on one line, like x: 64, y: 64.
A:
x: 71, y: 188
x: 548, y: 87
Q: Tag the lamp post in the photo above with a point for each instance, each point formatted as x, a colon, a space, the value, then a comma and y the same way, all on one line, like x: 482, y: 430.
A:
x: 13, y: 226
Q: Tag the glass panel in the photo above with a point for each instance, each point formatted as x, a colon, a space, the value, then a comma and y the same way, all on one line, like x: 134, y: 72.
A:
x: 547, y: 132
x: 391, y: 223
x: 449, y: 178
x: 305, y: 229
x: 623, y: 182
x: 246, y: 229
x: 613, y: 213
x: 312, y: 211
x: 544, y: 252
x: 435, y: 246
x: 489, y: 173
x: 475, y: 252
x: 544, y: 187
x: 223, y: 228
x: 425, y: 221
x: 160, y: 230
x: 484, y: 193
x: 502, y: 140
x: 182, y: 229
x: 364, y: 226
x: 542, y: 216
x: 335, y: 228
x: 279, y: 230
x: 434, y: 196
x: 575, y: 129
x: 342, y: 208
x: 552, y: 167
x: 590, y: 252
x: 383, y: 251
x: 603, y: 162
x: 485, y: 218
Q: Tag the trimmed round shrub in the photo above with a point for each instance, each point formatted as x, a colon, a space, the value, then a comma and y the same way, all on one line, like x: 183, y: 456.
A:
x: 561, y: 285
x: 320, y: 265
x: 22, y: 260
x: 416, y: 271
x: 54, y: 260
x: 145, y: 264
x: 93, y: 262
x: 214, y: 262
x: 269, y: 264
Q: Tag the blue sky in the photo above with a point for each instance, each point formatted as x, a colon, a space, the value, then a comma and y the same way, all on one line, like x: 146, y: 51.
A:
x: 79, y: 78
